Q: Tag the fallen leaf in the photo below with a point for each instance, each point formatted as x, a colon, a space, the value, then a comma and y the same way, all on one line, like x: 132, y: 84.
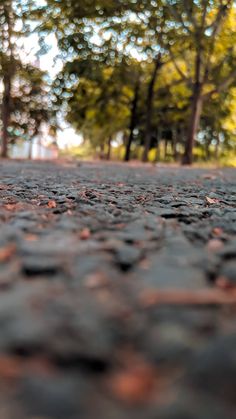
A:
x: 31, y: 237
x: 10, y: 367
x: 211, y: 200
x: 134, y: 385
x: 7, y: 252
x: 217, y: 231
x: 52, y: 204
x: 182, y: 297
x: 209, y: 176
x: 96, y: 280
x: 11, y: 207
x: 224, y: 283
x: 85, y: 234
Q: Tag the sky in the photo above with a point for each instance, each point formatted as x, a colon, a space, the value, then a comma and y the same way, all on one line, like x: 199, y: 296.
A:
x: 67, y: 137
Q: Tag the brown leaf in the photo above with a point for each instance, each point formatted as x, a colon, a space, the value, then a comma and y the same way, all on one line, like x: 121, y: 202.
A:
x: 217, y: 231
x: 7, y: 252
x: 209, y: 176
x: 134, y: 385
x: 10, y: 367
x: 11, y: 207
x: 185, y: 297
x: 31, y: 237
x: 96, y: 280
x: 224, y: 283
x: 52, y: 204
x: 85, y: 234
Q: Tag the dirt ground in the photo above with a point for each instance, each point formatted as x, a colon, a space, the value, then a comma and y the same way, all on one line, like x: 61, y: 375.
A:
x: 117, y: 292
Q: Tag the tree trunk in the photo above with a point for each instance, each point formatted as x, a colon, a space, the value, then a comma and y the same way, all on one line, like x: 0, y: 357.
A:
x: 8, y: 72
x: 132, y: 122
x: 6, y: 114
x: 196, y: 108
x: 101, y: 153
x: 30, y: 149
x: 149, y: 109
x: 158, y: 145
x: 207, y: 149
x: 108, y: 156
x: 193, y: 125
x: 217, y: 146
x: 165, y: 149
x: 174, y: 143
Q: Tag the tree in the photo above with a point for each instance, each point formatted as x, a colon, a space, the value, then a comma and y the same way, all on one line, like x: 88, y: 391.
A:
x: 25, y: 100
x: 137, y: 43
x: 7, y: 67
x: 31, y: 103
x: 200, y: 26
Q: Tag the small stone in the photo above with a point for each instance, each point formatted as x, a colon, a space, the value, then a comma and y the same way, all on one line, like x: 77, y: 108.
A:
x: 127, y: 256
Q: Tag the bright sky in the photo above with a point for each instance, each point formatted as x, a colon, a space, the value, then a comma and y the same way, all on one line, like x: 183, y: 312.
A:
x: 67, y: 137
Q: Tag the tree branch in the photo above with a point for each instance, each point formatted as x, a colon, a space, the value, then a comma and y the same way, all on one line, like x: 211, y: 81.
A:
x: 178, y: 17
x: 221, y: 13
x: 190, y: 14
x: 216, y: 27
x: 222, y: 86
x: 178, y: 69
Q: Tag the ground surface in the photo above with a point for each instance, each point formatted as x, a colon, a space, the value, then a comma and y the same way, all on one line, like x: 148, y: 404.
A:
x: 117, y: 292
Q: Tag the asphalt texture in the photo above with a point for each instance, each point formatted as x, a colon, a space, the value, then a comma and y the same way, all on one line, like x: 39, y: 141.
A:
x: 117, y: 292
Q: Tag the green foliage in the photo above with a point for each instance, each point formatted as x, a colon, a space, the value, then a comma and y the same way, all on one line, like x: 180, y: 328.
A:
x: 25, y: 97
x: 132, y: 71
x: 109, y: 47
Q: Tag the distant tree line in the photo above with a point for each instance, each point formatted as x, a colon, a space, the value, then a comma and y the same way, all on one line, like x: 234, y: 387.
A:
x: 160, y: 75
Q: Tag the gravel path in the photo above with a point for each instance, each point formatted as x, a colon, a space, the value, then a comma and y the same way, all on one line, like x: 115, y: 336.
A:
x: 117, y: 292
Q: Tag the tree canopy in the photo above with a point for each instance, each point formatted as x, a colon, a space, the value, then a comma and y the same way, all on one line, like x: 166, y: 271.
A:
x: 160, y: 75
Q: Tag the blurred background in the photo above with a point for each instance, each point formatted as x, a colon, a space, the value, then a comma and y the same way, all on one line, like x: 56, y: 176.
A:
x: 119, y: 79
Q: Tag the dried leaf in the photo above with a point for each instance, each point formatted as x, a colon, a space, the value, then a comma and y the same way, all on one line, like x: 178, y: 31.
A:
x: 209, y: 176
x: 11, y: 207
x: 217, y: 231
x: 96, y: 280
x: 7, y: 252
x: 85, y: 234
x: 10, y: 367
x: 224, y: 283
x: 185, y: 297
x: 134, y: 385
x: 212, y: 200
x: 52, y: 204
x: 31, y: 237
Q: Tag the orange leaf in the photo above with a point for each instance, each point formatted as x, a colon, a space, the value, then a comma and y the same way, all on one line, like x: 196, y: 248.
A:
x: 134, y: 385
x: 10, y: 367
x: 85, y: 234
x: 7, y: 252
x: 184, y: 297
x: 52, y: 204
